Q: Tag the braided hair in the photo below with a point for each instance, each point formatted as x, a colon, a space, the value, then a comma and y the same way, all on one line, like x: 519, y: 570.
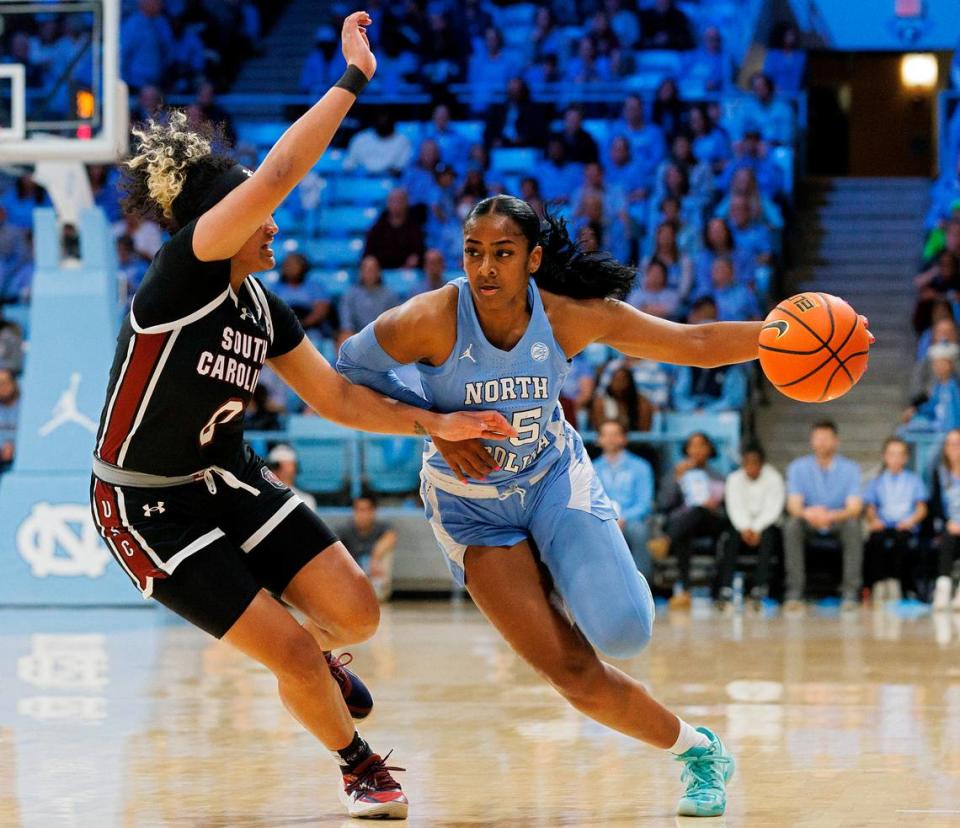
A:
x: 565, y: 268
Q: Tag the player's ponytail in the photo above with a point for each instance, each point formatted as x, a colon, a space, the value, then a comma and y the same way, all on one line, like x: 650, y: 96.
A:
x: 172, y: 167
x: 565, y: 268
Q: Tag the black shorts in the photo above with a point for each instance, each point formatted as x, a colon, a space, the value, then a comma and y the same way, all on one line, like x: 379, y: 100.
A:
x: 205, y: 555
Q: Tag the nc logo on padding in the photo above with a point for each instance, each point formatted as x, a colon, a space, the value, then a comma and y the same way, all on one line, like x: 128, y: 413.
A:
x: 61, y: 540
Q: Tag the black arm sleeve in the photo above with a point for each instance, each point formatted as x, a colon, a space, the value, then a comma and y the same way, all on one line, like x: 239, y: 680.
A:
x: 177, y: 284
x: 287, y: 330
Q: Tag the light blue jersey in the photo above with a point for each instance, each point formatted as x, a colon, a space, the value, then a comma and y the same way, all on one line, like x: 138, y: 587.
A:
x: 523, y: 384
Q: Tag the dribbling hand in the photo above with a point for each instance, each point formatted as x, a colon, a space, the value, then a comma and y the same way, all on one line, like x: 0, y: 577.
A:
x: 356, y: 47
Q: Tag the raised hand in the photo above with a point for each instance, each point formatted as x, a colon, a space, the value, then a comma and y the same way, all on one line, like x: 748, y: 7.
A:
x: 354, y: 43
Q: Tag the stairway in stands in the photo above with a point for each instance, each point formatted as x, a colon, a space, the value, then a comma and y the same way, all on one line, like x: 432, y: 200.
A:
x: 858, y: 238
x: 276, y: 70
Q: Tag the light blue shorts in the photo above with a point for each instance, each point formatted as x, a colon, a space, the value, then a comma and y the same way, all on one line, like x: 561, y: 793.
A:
x: 571, y: 523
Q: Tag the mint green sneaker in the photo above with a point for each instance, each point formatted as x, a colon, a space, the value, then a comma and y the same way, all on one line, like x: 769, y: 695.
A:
x: 706, y: 772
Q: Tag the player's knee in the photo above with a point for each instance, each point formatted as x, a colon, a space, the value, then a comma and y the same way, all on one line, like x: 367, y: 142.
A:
x: 297, y: 657
x: 623, y: 634
x: 574, y: 675
x: 364, y: 619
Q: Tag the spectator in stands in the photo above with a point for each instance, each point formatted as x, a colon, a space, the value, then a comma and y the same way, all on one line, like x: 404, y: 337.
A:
x: 306, y: 297
x: 104, y: 182
x: 396, y: 239
x: 149, y: 105
x: 579, y: 144
x: 283, y: 462
x: 945, y: 507
x: 453, y: 146
x: 699, y: 174
x: 546, y: 38
x: 647, y: 144
x: 576, y: 395
x: 260, y: 414
x: 628, y: 481
x: 664, y: 26
x: 443, y: 59
x: 473, y: 21
x: 751, y: 237
x: 673, y: 183
x: 530, y: 193
x: 652, y: 380
x: 545, y: 71
x: 518, y: 122
x: 587, y: 67
x: 896, y: 505
x: 474, y: 185
x: 717, y: 242
x: 601, y: 35
x: 710, y: 67
x: 319, y: 68
x: 785, y: 63
x: 146, y: 46
x: 710, y: 141
x: 211, y: 111
x: 557, y: 175
x: 941, y: 278
x: 941, y: 410
x: 420, y: 179
x: 691, y: 497
x: 490, y: 69
x: 678, y: 264
x: 379, y: 149
x: 11, y: 345
x: 9, y: 414
x: 131, y: 268
x: 671, y: 212
x: 371, y: 542
x: 669, y: 112
x: 735, y: 301
x: 434, y: 270
x: 922, y: 378
x: 146, y: 234
x: 773, y: 119
x: 619, y: 400
x: 624, y: 171
x: 187, y: 56
x: 744, y: 183
x: 653, y: 296
x: 364, y: 302
x: 926, y: 319
x: 823, y: 499
x: 754, y: 496
x: 623, y: 22
x: 751, y: 153
x: 22, y: 199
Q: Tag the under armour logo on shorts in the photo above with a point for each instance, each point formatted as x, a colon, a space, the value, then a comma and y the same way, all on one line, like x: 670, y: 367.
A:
x: 149, y: 510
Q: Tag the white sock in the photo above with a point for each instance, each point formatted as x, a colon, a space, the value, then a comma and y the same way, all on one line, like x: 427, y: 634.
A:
x: 688, y: 738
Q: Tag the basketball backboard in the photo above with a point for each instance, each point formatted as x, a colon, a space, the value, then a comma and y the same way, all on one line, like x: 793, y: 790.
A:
x: 61, y: 98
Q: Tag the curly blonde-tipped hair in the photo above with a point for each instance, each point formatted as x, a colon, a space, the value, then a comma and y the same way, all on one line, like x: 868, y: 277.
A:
x: 164, y: 152
x: 172, y: 167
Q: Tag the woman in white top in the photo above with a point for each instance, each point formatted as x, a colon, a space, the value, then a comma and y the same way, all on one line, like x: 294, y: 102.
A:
x: 754, y: 496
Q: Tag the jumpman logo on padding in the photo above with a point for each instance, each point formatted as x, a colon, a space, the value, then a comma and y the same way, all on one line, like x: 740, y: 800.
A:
x: 66, y: 411
x: 468, y: 355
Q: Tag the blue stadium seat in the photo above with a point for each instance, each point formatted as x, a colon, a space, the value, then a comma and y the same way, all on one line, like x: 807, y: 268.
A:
x: 326, y: 453
x: 333, y: 253
x: 513, y: 159
x: 664, y: 62
x: 412, y: 129
x: 471, y: 130
x: 391, y: 465
x: 260, y: 133
x: 599, y: 129
x: 335, y: 282
x: 401, y: 280
x: 346, y: 221
x: 358, y: 190
x: 331, y: 162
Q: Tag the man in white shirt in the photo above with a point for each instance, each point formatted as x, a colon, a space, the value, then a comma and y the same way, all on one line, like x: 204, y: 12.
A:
x: 754, y: 497
x: 379, y: 149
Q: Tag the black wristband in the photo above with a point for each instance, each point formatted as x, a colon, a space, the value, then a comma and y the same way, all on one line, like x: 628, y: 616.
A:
x: 353, y: 80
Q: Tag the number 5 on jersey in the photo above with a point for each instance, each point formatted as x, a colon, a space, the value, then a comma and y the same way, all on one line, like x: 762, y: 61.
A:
x: 526, y: 424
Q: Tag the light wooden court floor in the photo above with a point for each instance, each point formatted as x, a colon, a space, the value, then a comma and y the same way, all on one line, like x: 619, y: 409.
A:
x: 129, y: 718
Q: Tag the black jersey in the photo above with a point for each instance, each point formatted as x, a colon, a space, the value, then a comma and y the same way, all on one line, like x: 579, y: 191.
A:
x: 188, y: 357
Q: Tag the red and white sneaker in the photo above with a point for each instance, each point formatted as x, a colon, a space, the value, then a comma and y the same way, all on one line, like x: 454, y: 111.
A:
x: 370, y: 792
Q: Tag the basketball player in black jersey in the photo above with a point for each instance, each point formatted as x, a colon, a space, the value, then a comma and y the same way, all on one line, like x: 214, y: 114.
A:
x: 193, y: 516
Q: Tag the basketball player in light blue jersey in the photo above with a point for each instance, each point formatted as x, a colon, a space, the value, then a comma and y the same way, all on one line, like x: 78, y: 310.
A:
x: 524, y: 521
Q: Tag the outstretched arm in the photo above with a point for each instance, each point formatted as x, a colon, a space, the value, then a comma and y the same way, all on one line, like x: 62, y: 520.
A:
x: 306, y: 371
x: 222, y: 230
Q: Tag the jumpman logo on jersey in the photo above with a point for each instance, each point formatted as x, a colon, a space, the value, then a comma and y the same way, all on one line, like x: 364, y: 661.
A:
x: 66, y: 411
x: 467, y: 354
x: 149, y: 510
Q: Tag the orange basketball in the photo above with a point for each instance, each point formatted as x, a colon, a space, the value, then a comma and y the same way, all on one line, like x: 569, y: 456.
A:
x: 814, y: 347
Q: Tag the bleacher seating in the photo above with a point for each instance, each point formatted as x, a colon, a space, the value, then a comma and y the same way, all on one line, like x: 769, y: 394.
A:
x: 327, y: 453
x: 391, y: 465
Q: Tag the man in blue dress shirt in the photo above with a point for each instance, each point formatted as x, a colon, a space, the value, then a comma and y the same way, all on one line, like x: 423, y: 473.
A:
x: 628, y: 482
x: 823, y: 497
